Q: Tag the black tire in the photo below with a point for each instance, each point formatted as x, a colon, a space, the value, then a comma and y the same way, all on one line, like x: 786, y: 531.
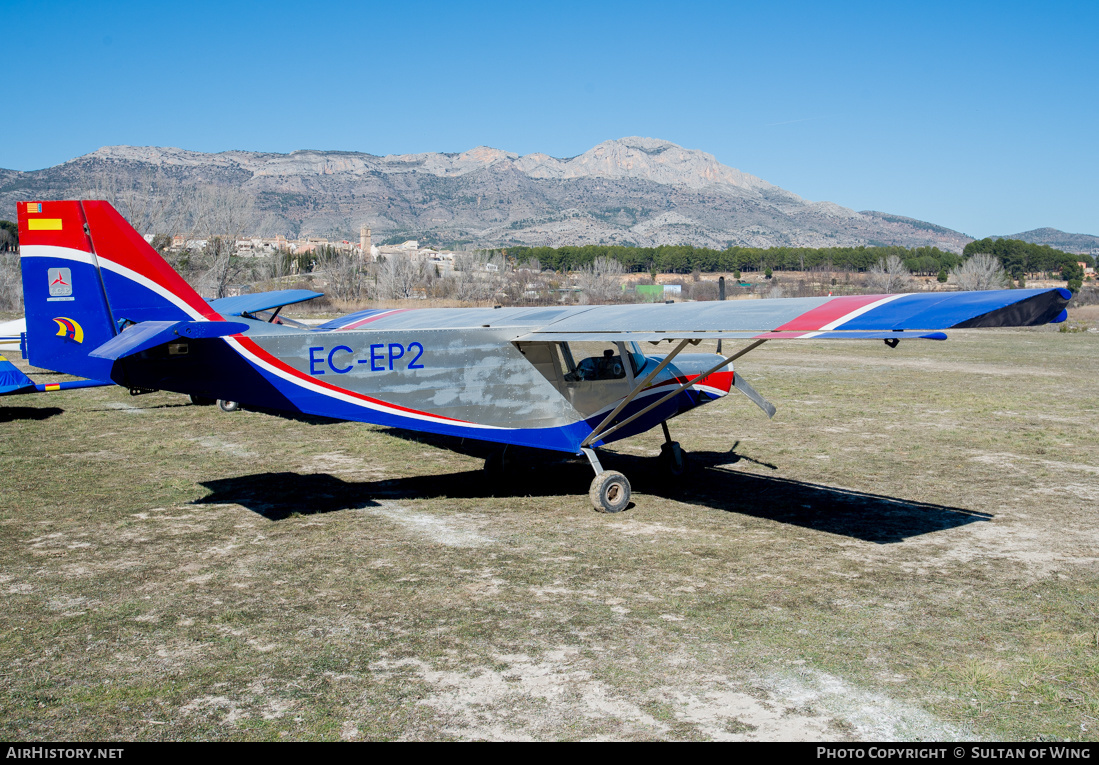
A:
x: 610, y: 492
x: 673, y: 460
x: 497, y: 463
x: 228, y: 406
x: 200, y: 401
x: 500, y: 473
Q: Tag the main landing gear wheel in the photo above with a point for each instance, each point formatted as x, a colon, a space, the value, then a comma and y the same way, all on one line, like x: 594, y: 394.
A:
x: 499, y: 473
x: 228, y: 406
x: 610, y: 492
x: 673, y: 460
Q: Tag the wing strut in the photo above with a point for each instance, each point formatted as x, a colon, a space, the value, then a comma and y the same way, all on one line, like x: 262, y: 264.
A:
x: 599, y: 432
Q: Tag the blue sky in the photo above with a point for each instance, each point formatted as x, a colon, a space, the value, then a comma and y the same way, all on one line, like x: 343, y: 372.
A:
x: 980, y: 116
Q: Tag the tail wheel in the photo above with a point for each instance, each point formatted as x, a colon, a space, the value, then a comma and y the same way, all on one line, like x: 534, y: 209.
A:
x: 610, y: 492
x: 228, y: 406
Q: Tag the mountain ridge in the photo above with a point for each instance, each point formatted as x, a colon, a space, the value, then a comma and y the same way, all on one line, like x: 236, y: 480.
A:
x: 1084, y: 244
x: 632, y: 191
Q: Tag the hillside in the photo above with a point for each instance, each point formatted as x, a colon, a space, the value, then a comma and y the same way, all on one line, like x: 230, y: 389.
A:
x: 1058, y: 240
x: 639, y: 191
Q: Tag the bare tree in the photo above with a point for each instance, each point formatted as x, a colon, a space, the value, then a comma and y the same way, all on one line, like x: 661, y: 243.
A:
x: 398, y: 276
x: 151, y: 203
x: 467, y: 285
x: 600, y: 282
x: 348, y: 277
x: 478, y: 276
x: 224, y: 214
x: 981, y: 272
x: 11, y: 282
x: 889, y: 275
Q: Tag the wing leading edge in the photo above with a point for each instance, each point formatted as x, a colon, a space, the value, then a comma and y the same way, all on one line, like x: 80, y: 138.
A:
x: 856, y: 317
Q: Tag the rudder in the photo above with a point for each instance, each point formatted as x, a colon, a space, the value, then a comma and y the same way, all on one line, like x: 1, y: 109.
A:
x: 63, y: 296
x: 87, y: 274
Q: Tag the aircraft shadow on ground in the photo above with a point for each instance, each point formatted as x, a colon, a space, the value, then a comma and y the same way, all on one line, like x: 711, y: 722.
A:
x: 13, y: 413
x: 860, y: 515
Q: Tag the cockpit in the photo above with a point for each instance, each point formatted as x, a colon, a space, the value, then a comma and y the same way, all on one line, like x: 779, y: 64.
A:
x: 591, y: 375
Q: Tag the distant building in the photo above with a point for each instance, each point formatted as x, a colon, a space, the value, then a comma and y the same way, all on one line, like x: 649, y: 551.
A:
x: 365, y: 247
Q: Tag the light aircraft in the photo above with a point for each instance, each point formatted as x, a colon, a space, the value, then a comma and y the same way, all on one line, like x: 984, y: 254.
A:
x: 102, y: 304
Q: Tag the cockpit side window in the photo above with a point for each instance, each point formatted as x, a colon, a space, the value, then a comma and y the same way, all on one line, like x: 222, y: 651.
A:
x: 637, y: 358
x: 597, y: 361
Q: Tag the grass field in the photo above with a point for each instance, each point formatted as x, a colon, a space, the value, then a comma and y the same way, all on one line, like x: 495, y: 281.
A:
x: 907, y: 551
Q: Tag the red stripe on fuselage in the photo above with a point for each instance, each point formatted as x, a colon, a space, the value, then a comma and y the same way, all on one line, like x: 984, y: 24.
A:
x: 720, y: 380
x: 834, y: 309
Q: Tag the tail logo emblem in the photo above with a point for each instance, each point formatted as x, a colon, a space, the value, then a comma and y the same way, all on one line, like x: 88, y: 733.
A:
x: 69, y: 329
x: 61, y: 282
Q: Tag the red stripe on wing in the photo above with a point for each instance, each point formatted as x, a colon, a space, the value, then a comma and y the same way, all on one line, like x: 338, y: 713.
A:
x: 375, y: 317
x: 834, y: 309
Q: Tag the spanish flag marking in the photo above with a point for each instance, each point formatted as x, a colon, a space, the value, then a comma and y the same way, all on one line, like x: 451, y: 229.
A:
x: 53, y: 386
x: 44, y: 224
x: 34, y: 207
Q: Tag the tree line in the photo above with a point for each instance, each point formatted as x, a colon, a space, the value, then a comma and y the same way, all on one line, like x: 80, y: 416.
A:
x: 1018, y: 257
x: 684, y: 259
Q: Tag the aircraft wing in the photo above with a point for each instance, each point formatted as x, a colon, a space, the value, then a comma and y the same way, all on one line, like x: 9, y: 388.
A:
x: 261, y: 301
x: 918, y: 315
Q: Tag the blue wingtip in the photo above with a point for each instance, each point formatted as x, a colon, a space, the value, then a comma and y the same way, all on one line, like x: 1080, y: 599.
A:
x: 1066, y: 294
x: 1061, y: 316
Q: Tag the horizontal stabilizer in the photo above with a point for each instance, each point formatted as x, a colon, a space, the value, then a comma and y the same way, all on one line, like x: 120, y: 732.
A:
x: 261, y: 301
x: 742, y: 385
x: 11, y: 379
x: 150, y: 334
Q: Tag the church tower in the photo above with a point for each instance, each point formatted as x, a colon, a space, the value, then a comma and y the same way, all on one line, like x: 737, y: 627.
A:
x: 364, y: 242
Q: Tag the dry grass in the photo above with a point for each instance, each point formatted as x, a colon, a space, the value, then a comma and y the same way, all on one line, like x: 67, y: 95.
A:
x: 908, y: 551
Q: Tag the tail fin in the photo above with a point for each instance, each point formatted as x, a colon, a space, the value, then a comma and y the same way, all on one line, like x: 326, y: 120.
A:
x: 86, y: 275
